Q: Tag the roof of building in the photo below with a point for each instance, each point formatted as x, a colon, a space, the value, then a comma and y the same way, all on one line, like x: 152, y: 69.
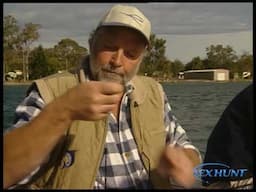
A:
x: 205, y: 70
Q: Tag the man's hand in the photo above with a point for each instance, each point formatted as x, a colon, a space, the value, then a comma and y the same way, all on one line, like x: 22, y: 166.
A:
x: 91, y: 100
x: 176, y: 163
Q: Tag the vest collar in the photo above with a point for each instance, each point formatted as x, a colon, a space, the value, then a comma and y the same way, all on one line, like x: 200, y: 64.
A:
x: 139, y: 93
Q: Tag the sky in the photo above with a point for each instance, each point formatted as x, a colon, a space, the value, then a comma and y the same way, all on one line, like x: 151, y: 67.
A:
x: 188, y: 28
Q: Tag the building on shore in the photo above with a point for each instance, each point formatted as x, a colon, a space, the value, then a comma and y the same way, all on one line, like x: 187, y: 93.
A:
x: 205, y: 74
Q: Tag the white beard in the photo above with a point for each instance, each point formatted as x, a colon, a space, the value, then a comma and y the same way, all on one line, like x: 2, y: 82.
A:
x: 106, y: 73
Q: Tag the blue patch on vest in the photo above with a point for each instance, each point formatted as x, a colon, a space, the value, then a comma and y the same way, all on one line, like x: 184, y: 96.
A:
x: 68, y: 159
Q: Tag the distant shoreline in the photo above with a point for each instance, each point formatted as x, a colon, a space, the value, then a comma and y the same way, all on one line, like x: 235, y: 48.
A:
x: 161, y: 81
x: 202, y: 80
x: 17, y: 83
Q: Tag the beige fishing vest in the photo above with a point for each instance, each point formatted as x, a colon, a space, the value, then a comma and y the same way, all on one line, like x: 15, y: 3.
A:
x: 87, y: 138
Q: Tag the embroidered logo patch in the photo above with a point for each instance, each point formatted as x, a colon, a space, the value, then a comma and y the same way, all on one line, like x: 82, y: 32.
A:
x: 68, y: 159
x: 135, y: 17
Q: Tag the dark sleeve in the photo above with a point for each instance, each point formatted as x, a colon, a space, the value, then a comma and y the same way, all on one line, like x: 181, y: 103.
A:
x: 231, y: 141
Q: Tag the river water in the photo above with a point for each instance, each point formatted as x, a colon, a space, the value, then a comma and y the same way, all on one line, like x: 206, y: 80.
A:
x: 196, y: 105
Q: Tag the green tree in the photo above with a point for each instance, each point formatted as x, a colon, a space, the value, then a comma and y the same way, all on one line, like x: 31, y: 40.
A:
x: 195, y: 63
x: 176, y: 67
x: 69, y: 53
x: 220, y: 57
x: 155, y: 62
x: 27, y: 36
x: 54, y: 63
x: 245, y: 63
x: 10, y: 36
x: 11, y: 30
x: 38, y: 65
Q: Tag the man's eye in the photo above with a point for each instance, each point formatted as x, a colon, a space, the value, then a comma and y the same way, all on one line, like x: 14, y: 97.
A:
x: 131, y: 54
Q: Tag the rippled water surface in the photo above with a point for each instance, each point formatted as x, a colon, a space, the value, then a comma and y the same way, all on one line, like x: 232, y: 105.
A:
x: 197, y: 105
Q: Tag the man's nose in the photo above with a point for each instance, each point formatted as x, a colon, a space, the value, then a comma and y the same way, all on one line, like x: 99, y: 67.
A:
x: 116, y: 58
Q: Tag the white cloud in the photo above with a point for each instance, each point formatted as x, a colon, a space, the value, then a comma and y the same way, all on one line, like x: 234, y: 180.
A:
x: 183, y: 24
x: 185, y: 47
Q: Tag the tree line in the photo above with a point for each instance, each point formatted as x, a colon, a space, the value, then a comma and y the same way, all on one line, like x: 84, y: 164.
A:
x: 38, y: 62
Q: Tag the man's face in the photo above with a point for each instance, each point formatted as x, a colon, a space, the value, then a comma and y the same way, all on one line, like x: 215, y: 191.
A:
x: 116, y: 54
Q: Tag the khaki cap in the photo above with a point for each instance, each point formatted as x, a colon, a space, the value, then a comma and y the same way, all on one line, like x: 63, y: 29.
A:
x: 128, y: 16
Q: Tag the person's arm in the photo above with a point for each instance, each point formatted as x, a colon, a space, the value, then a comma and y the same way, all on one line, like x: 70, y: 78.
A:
x: 180, y: 156
x: 26, y: 147
x: 235, y: 131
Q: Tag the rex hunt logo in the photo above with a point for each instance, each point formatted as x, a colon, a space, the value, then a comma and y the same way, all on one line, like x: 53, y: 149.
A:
x: 216, y: 170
